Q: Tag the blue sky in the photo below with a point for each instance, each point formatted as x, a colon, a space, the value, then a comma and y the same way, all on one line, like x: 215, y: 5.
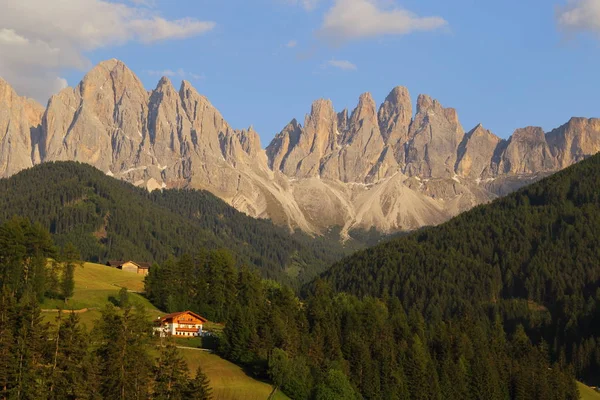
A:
x: 506, y: 64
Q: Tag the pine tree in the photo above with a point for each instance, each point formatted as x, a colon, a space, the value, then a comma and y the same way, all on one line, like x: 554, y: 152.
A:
x: 170, y: 375
x: 125, y: 367
x: 279, y: 370
x: 199, y: 387
x: 7, y: 345
x: 70, y: 257
x: 30, y: 350
x: 123, y: 298
x: 72, y: 374
x: 335, y: 386
x: 417, y: 370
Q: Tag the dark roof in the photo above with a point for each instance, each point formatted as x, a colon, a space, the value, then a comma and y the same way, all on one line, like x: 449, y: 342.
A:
x: 175, y: 314
x: 115, y: 263
x: 119, y: 263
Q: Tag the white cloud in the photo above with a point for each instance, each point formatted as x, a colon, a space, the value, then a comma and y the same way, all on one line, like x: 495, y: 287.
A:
x: 156, y: 29
x: 307, y: 4
x: 342, y: 64
x: 179, y: 73
x: 39, y: 38
x: 580, y: 15
x: 356, y: 19
x: 291, y: 44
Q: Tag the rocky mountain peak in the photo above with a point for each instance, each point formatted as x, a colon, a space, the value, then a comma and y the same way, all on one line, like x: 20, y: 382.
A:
x: 395, y: 116
x: 343, y: 120
x: 20, y: 130
x: 384, y: 168
x: 250, y: 141
x: 575, y: 140
x: 321, y: 109
x: 6, y: 90
x: 282, y: 144
x: 110, y: 75
x: 529, y: 134
x: 434, y: 137
x: 479, y: 131
x: 165, y: 85
x: 425, y: 103
x: 475, y: 153
x: 527, y: 152
x: 366, y: 108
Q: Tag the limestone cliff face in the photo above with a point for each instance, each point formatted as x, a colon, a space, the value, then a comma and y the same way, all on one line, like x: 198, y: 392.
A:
x: 380, y: 167
x: 435, y: 135
x: 527, y: 153
x: 358, y: 148
x: 20, y: 131
x: 475, y: 154
x: 300, y: 150
x: 395, y: 116
x: 574, y: 141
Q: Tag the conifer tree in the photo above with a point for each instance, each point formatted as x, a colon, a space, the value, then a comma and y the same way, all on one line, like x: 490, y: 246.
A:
x: 72, y: 374
x: 7, y: 345
x: 199, y: 387
x: 125, y: 366
x: 70, y: 257
x: 123, y: 298
x: 279, y: 370
x: 170, y: 375
x: 31, y: 345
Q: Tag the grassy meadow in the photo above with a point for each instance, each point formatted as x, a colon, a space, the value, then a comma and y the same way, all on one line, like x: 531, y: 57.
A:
x: 95, y: 284
x: 587, y: 393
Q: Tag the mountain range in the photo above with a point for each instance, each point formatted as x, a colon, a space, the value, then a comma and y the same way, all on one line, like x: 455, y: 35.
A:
x: 385, y: 167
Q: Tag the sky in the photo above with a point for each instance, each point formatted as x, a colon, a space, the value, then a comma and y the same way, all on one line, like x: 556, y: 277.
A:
x: 506, y: 64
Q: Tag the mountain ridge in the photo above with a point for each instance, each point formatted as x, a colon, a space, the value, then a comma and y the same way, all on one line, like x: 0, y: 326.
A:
x: 374, y: 167
x: 108, y: 219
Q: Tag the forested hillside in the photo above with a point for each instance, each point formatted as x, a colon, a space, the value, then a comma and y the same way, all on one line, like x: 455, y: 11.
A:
x: 109, y: 219
x: 336, y: 346
x: 533, y: 256
x: 327, y: 346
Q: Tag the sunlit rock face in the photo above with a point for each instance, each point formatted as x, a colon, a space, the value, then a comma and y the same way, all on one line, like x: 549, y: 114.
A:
x: 377, y: 167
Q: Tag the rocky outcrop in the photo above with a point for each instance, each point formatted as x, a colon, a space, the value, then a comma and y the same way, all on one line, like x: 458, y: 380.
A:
x: 20, y: 131
x: 574, y: 141
x: 476, y: 153
x: 527, y: 152
x: 377, y: 167
x: 434, y: 138
x: 395, y: 116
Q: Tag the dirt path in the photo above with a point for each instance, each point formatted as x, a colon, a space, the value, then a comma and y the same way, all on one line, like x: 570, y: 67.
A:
x: 83, y: 310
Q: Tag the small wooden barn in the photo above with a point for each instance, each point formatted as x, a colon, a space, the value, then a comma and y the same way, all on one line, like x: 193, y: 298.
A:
x: 141, y: 268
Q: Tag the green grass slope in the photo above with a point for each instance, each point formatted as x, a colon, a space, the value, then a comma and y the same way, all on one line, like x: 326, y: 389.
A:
x: 95, y: 284
x: 228, y: 381
x: 587, y: 393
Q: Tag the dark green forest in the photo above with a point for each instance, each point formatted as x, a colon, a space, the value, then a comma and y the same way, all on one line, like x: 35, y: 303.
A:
x: 62, y: 361
x: 109, y: 219
x: 331, y: 345
x: 532, y: 257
